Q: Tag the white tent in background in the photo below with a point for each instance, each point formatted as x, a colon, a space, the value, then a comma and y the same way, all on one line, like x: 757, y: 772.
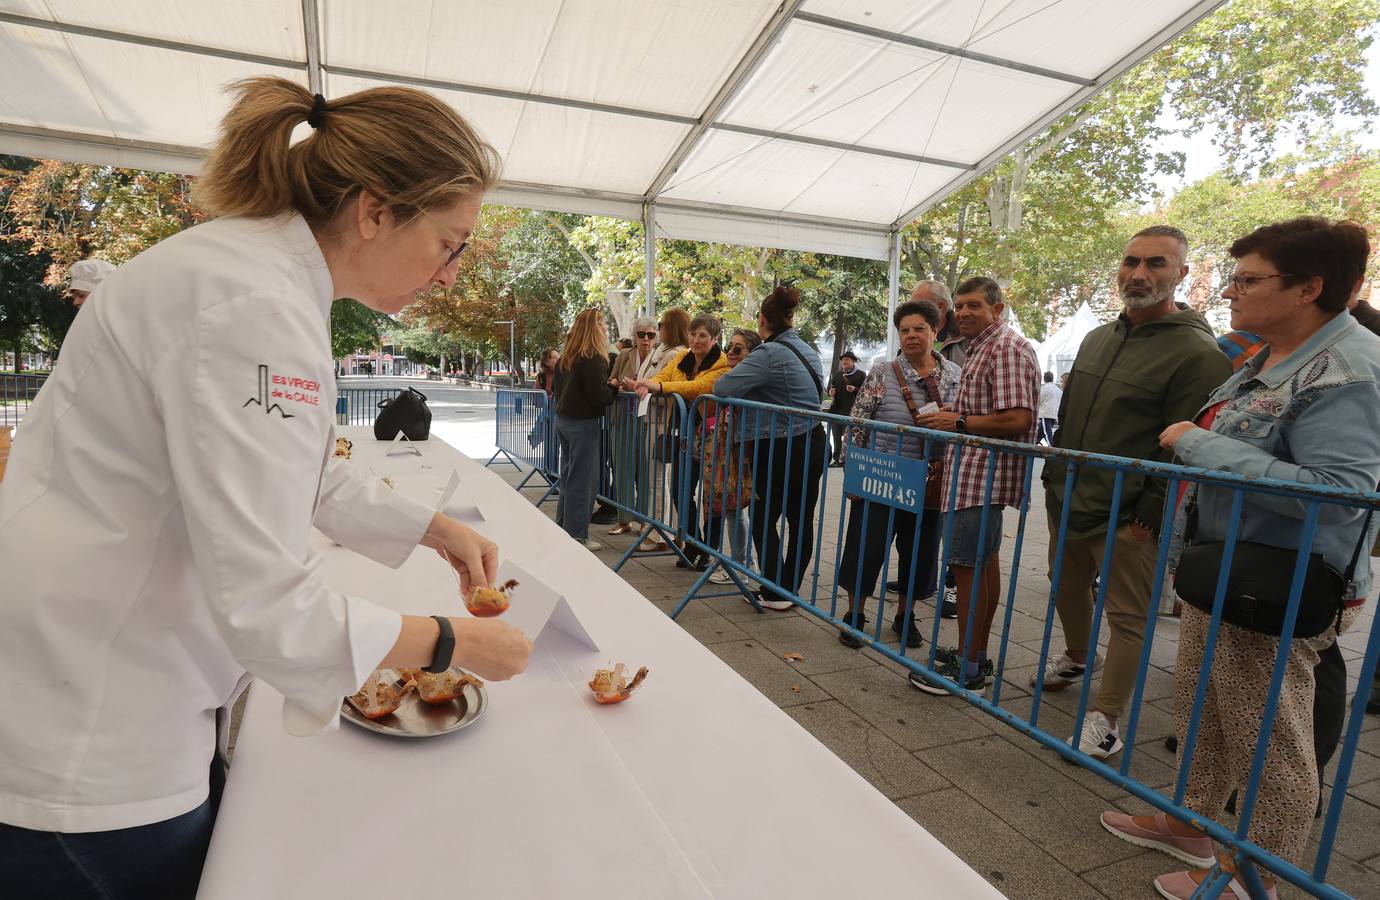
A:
x: 1056, y: 354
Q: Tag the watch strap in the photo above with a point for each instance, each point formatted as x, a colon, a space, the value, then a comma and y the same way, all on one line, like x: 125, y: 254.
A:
x: 445, y: 646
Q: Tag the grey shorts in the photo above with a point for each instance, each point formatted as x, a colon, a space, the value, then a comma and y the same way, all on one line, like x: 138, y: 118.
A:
x: 963, y: 546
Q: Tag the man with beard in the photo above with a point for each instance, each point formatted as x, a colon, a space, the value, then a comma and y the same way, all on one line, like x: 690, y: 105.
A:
x: 1154, y: 366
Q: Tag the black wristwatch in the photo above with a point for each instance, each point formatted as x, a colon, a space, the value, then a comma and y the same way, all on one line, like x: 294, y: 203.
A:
x: 445, y: 646
x: 961, y: 425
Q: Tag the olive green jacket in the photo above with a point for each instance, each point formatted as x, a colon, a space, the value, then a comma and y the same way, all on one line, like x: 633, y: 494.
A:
x: 1127, y: 386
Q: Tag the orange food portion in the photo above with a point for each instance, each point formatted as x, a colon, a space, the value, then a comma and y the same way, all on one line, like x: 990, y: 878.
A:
x: 610, y: 686
x: 381, y: 694
x: 487, y: 602
x: 445, y: 687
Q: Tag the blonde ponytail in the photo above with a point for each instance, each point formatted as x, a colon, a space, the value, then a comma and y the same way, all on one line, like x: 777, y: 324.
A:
x: 405, y: 146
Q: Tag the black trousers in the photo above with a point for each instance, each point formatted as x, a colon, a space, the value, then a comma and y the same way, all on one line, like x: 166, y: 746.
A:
x: 839, y: 433
x: 785, y: 479
x: 863, y: 554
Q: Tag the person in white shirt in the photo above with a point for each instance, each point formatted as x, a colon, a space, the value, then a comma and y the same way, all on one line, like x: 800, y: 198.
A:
x: 84, y: 275
x: 156, y: 515
x: 1050, y: 397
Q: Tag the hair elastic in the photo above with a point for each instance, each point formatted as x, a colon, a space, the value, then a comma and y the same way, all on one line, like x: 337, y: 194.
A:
x: 318, y: 112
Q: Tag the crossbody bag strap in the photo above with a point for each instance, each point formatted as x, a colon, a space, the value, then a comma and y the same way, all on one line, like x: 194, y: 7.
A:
x: 905, y: 392
x: 1360, y: 542
x: 819, y: 385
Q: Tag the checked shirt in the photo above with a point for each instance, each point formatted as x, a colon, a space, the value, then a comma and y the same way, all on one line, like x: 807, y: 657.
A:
x: 1001, y: 372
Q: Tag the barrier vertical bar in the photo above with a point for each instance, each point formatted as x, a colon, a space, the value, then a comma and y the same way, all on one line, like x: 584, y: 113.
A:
x: 1099, y: 604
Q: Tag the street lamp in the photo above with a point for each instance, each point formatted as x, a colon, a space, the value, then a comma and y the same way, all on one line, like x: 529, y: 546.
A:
x: 512, y: 350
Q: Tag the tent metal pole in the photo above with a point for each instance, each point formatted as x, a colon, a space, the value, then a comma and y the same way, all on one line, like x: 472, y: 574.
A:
x: 649, y: 251
x: 311, y: 32
x: 893, y: 289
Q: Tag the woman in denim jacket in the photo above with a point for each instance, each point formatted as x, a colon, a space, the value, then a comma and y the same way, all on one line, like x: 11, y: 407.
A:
x: 1305, y: 409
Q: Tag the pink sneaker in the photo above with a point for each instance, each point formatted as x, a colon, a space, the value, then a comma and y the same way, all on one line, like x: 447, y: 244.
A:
x: 1181, y: 886
x: 1196, y: 851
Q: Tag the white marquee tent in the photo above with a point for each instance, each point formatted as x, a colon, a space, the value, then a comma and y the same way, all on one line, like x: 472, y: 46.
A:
x: 1056, y: 354
x: 808, y: 124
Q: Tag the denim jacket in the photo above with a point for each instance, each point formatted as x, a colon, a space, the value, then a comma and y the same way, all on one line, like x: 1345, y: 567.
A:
x: 773, y: 374
x: 1313, y: 418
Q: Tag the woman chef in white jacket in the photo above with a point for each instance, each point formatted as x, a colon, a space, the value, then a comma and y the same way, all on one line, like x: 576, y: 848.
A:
x: 155, y: 516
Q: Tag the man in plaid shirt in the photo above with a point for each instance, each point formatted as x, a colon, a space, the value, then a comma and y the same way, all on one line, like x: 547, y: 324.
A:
x: 998, y: 395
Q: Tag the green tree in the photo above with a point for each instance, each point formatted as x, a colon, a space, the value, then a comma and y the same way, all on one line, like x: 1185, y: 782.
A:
x: 355, y: 327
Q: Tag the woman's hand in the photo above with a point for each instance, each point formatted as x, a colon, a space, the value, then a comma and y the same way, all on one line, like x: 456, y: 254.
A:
x: 940, y: 420
x: 474, y: 556
x: 1170, y: 436
x: 490, y: 649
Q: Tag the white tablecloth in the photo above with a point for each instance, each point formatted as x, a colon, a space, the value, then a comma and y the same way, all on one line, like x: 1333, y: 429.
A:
x: 697, y: 787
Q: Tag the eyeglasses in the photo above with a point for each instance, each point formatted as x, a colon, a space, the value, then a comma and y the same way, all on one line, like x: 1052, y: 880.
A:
x: 456, y: 255
x: 1243, y: 283
x: 647, y: 334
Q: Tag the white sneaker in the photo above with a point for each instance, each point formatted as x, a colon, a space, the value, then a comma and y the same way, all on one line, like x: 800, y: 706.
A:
x: 592, y: 545
x: 719, y: 576
x: 767, y: 603
x: 1061, y: 671
x: 1099, y: 739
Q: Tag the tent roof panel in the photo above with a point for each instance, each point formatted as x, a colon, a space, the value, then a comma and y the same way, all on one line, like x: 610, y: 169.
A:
x: 1081, y: 37
x: 264, y: 27
x: 666, y: 56
x: 108, y: 88
x: 604, y: 105
x: 852, y: 88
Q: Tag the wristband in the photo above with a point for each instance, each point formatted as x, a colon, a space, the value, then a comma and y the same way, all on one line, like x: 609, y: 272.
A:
x: 445, y: 646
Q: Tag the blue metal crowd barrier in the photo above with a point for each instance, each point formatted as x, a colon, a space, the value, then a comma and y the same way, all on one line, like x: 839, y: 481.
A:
x: 525, y: 435
x: 360, y: 406
x: 17, y: 392
x: 788, y: 503
x: 641, y: 459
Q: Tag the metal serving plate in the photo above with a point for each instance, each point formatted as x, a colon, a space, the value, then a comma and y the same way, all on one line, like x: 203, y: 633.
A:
x: 418, y: 719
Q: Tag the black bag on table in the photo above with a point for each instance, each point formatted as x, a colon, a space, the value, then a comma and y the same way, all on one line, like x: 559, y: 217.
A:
x: 407, y: 413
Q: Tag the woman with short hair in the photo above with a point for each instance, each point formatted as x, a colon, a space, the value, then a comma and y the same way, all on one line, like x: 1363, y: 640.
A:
x: 1305, y: 408
x: 631, y: 452
x: 583, y: 393
x: 673, y: 336
x: 182, y: 454
x: 895, y: 392
x: 689, y: 375
x: 787, y: 452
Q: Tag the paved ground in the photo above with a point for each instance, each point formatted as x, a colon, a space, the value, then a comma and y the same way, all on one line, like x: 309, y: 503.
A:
x: 1017, y: 813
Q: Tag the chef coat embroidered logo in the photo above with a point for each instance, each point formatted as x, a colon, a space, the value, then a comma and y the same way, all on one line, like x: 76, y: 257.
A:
x: 265, y: 396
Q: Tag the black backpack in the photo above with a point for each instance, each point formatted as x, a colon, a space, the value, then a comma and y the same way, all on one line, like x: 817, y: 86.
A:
x: 407, y: 413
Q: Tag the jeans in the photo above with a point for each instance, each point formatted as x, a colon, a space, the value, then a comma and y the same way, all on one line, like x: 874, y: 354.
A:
x: 735, y: 522
x: 161, y: 861
x: 579, y: 474
x: 785, y: 475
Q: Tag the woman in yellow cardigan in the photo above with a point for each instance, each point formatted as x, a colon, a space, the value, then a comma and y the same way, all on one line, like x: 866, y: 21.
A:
x: 691, y: 373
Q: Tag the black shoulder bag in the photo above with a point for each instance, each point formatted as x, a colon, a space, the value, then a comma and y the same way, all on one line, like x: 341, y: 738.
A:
x: 1257, y: 591
x: 407, y: 413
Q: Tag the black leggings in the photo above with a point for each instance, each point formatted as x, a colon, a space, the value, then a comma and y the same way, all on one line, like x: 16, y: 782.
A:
x: 785, y: 480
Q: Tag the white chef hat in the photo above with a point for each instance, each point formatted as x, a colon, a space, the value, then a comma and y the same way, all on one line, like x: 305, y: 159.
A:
x: 87, y: 273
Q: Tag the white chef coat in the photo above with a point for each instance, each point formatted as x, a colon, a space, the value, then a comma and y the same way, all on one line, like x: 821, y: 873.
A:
x: 154, y: 526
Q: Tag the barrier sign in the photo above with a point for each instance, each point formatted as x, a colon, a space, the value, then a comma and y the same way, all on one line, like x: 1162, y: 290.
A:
x: 897, y: 481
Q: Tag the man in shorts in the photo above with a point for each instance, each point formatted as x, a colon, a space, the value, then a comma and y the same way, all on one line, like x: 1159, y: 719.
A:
x: 998, y: 396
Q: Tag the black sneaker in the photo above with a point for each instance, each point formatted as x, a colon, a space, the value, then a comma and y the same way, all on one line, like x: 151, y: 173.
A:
x: 950, y: 654
x: 948, y: 609
x: 913, y: 637
x: 848, y: 638
x: 604, y: 515
x: 893, y: 587
x: 948, y: 669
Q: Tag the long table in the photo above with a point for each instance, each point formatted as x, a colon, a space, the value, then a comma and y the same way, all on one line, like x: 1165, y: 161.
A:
x: 698, y: 786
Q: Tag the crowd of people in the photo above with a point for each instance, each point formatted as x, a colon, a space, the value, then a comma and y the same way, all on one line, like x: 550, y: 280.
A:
x: 1293, y: 393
